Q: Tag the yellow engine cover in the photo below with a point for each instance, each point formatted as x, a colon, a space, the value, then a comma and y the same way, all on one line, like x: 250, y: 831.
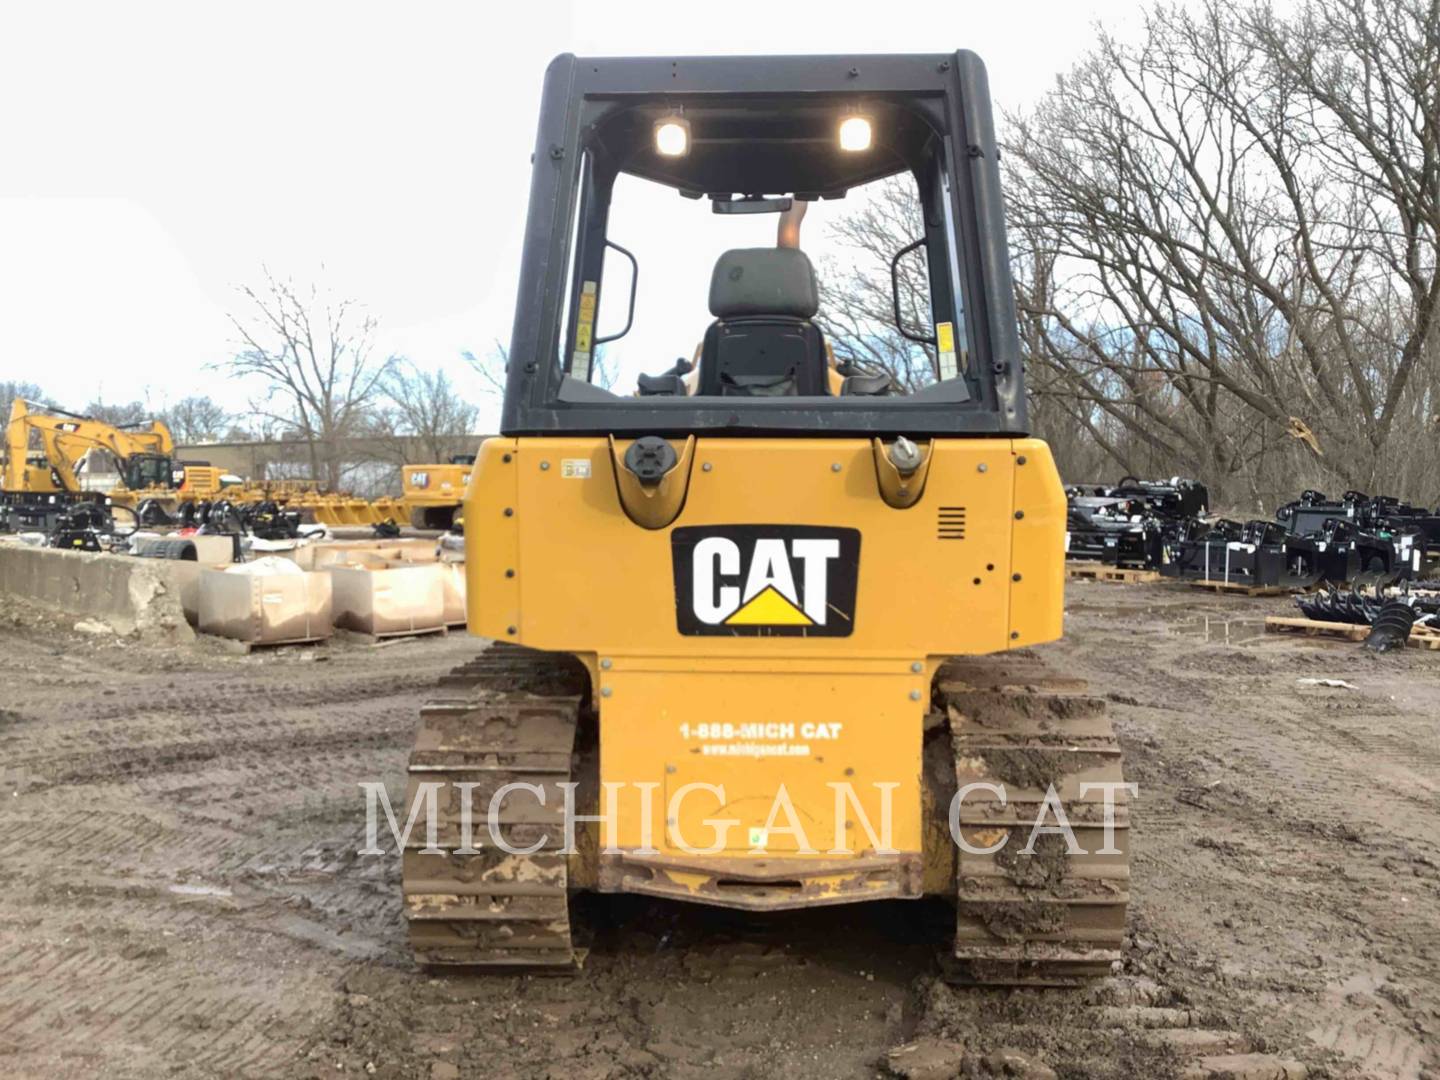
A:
x: 781, y: 631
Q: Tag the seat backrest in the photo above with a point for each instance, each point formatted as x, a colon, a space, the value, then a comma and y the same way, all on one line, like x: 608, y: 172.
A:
x: 762, y: 342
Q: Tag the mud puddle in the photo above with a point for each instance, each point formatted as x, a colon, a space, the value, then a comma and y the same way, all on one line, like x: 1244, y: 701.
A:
x: 1220, y: 630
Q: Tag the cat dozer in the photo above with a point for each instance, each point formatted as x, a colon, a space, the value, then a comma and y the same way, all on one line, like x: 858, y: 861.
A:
x: 770, y: 612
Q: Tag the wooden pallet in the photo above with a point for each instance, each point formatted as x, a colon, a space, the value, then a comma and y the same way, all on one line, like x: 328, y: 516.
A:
x: 1239, y: 588
x: 245, y: 648
x: 392, y: 635
x: 1421, y: 637
x: 1094, y: 571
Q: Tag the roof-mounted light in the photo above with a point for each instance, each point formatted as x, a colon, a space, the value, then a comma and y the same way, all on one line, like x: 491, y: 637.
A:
x: 855, y: 134
x: 672, y: 136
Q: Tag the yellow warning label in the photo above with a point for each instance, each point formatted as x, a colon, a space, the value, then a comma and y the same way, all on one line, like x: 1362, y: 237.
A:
x: 585, y: 317
x: 945, y: 347
x: 769, y: 608
x: 945, y: 337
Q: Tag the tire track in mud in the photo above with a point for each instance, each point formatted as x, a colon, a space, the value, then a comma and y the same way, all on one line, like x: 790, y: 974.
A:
x: 181, y: 887
x: 178, y: 1008
x: 120, y: 766
x: 283, y: 953
x: 226, y: 697
x: 1302, y: 814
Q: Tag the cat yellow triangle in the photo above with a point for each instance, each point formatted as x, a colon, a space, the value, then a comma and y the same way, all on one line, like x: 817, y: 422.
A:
x: 769, y: 608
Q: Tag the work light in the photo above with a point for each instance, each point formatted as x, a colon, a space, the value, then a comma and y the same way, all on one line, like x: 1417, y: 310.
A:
x: 855, y: 133
x: 672, y: 136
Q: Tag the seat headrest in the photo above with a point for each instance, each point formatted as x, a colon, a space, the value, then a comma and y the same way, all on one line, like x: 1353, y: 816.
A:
x: 764, y: 281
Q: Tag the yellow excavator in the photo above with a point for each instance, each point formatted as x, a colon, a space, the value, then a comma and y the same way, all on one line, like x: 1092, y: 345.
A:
x: 46, y: 452
x: 765, y: 629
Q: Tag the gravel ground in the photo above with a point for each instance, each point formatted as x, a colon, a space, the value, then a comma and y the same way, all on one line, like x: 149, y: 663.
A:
x: 180, y: 894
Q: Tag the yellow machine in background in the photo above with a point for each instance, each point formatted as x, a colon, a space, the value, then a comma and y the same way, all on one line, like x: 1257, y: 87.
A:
x: 49, y: 459
x: 433, y: 493
x: 46, y: 452
x: 44, y: 448
x: 741, y: 615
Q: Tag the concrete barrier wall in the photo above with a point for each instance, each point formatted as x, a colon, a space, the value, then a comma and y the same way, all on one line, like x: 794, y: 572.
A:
x: 130, y: 594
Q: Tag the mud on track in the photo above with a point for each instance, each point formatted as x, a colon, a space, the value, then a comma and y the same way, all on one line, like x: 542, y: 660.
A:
x: 179, y: 893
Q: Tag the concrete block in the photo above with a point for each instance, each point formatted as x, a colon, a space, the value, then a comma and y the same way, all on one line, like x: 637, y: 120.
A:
x: 132, y: 596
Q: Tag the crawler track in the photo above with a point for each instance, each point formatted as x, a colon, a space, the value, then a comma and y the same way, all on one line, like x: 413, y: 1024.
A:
x: 509, y: 716
x: 1052, y: 917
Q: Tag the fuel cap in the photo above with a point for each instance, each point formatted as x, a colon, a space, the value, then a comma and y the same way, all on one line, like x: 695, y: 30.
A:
x: 650, y: 458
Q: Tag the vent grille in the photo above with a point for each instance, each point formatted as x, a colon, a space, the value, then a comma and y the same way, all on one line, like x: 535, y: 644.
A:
x: 951, y: 523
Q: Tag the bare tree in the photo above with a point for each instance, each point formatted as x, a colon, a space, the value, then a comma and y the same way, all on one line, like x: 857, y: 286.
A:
x: 491, y: 368
x: 857, y: 306
x: 316, y: 357
x: 10, y: 389
x: 1225, y: 237
x: 119, y: 414
x: 196, y: 420
x: 423, y: 409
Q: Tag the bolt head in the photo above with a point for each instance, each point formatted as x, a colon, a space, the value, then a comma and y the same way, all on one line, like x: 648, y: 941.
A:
x: 835, y: 467
x: 606, y: 691
x: 982, y: 467
x: 544, y: 465
x: 917, y: 667
x: 606, y: 663
x: 914, y: 695
x: 706, y: 467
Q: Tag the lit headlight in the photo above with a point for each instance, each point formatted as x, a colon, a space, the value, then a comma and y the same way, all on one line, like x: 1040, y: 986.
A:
x: 672, y: 136
x: 855, y: 134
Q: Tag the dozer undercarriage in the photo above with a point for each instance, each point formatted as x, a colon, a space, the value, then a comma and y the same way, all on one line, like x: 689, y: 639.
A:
x: 521, y: 716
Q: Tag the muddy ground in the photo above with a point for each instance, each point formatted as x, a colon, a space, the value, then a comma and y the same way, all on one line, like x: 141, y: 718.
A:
x: 180, y: 894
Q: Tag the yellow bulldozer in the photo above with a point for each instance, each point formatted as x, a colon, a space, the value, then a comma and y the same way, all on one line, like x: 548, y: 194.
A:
x: 433, y: 493
x: 764, y: 628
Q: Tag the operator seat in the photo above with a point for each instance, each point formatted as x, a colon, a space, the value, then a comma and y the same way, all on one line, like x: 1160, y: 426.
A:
x: 762, y: 342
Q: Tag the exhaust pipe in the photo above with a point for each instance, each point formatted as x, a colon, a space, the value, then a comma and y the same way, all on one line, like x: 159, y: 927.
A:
x: 788, y: 235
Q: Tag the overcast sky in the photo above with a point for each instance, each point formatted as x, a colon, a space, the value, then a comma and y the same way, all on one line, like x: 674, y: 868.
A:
x: 153, y: 156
